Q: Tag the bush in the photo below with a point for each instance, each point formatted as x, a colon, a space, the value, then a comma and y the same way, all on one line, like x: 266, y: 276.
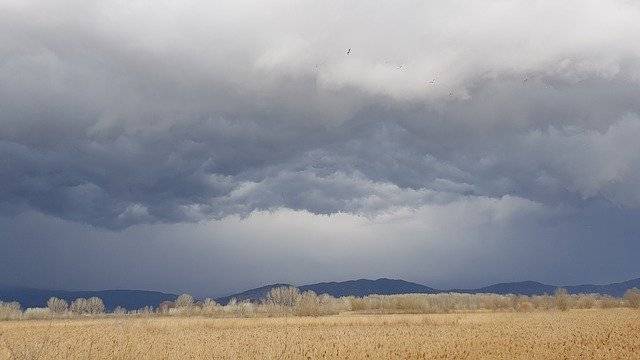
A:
x: 119, y: 311
x: 210, y: 307
x: 10, y: 310
x: 308, y: 305
x: 79, y: 306
x: 57, y: 306
x: 286, y: 296
x: 632, y: 297
x: 184, y: 301
x: 95, y: 305
x: 144, y: 311
x: 562, y: 299
x: 37, y: 313
x: 523, y: 305
x: 311, y: 304
x: 82, y: 306
x: 243, y: 308
x: 586, y: 301
x: 542, y: 302
x: 608, y: 302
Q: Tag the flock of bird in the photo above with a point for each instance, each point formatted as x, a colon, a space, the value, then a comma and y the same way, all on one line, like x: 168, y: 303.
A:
x: 431, y: 82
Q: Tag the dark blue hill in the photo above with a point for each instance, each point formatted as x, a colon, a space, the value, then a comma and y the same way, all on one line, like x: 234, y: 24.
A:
x: 129, y: 299
x: 253, y: 295
x: 364, y: 287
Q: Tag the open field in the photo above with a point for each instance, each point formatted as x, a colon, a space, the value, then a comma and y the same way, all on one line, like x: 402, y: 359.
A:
x: 574, y: 334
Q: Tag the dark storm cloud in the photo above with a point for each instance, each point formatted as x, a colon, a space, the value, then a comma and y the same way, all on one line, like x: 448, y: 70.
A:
x: 124, y: 114
x: 463, y: 243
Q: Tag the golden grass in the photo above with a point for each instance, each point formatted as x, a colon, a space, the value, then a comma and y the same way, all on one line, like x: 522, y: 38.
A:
x: 575, y: 334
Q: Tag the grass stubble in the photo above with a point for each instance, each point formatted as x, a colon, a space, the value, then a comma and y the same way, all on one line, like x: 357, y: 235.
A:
x: 573, y: 334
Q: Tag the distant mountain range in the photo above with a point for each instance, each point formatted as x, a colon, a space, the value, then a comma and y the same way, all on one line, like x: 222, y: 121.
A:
x: 135, y: 299
x: 129, y: 299
x: 536, y: 288
x: 360, y: 287
x: 384, y: 286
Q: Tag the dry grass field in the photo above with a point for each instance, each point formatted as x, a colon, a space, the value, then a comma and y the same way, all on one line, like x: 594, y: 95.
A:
x: 575, y: 334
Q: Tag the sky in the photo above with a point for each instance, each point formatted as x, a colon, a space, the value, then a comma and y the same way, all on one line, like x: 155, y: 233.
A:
x: 209, y: 147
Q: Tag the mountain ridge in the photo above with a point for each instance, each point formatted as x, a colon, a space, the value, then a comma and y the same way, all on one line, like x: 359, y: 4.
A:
x: 363, y: 287
x: 129, y: 299
x: 135, y: 299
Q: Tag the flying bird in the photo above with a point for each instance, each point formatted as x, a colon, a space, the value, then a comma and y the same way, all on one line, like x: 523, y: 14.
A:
x: 349, y: 51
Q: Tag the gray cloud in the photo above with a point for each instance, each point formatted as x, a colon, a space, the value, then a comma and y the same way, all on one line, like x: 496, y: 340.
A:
x: 468, y: 242
x: 129, y: 114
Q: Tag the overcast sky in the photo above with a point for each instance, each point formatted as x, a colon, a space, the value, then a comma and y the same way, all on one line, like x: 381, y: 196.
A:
x: 210, y: 147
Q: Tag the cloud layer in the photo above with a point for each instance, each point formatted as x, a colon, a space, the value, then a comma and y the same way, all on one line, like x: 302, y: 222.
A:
x: 118, y: 114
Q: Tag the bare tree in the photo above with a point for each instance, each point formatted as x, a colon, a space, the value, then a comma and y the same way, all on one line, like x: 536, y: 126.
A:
x: 95, y: 305
x: 286, y: 296
x: 79, y: 306
x: 184, y: 300
x: 57, y: 306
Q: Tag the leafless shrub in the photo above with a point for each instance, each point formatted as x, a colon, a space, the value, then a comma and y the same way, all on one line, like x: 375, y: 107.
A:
x: 523, y: 304
x: 210, y: 307
x: 233, y: 309
x: 561, y: 299
x: 308, y: 305
x: 95, y: 305
x: 271, y: 310
x: 607, y: 302
x: 286, y: 296
x: 585, y: 301
x: 37, y: 313
x: 186, y: 306
x: 415, y: 303
x: 286, y: 301
x: 79, y: 306
x: 542, y: 302
x: 439, y: 303
x: 145, y: 311
x: 119, y: 311
x: 10, y: 310
x: 244, y: 308
x: 357, y: 304
x: 164, y: 306
x: 57, y: 306
x: 496, y: 302
x: 230, y: 305
x: 91, y: 306
x: 632, y: 297
x: 332, y: 305
x: 184, y: 301
x: 180, y: 311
